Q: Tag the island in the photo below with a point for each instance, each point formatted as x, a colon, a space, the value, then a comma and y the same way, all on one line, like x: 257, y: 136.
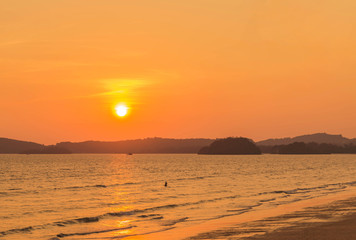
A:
x: 47, y: 150
x: 231, y: 146
x: 309, y: 148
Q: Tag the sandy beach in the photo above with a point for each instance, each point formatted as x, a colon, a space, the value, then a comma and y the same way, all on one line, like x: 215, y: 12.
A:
x: 333, y: 221
x: 341, y: 230
x: 331, y: 217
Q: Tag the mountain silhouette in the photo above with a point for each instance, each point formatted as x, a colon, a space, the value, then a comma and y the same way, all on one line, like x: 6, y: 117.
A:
x: 309, y: 148
x: 47, y: 150
x: 168, y: 145
x: 231, y: 146
x: 147, y: 145
x: 316, y: 138
x: 15, y: 146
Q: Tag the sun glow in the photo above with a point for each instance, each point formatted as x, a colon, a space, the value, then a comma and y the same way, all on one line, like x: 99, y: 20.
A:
x: 121, y: 110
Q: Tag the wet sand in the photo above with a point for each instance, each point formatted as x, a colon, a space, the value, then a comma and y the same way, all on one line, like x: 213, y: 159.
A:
x: 342, y: 230
x: 331, y: 217
x: 334, y: 221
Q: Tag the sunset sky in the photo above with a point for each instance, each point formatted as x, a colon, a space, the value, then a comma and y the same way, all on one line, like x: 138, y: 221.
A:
x: 187, y: 68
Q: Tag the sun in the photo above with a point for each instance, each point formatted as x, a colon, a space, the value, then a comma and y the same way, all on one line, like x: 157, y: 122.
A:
x: 121, y: 110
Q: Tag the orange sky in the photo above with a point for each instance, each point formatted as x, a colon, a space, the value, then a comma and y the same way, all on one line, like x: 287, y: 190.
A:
x: 187, y: 68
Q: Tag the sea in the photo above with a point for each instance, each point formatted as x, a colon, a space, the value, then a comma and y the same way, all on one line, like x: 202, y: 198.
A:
x: 118, y: 196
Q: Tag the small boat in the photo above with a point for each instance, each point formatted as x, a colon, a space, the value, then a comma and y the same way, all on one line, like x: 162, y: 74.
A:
x: 129, y: 153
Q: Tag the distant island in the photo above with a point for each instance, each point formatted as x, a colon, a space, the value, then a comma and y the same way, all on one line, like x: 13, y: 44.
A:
x: 231, y: 146
x: 16, y: 146
x: 309, y: 148
x: 147, y: 145
x: 47, y: 150
x: 319, y: 143
x: 316, y: 138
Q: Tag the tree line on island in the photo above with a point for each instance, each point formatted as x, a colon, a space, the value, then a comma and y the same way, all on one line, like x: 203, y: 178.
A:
x: 247, y: 146
x: 320, y: 143
x: 231, y: 145
x: 308, y: 148
x: 51, y: 149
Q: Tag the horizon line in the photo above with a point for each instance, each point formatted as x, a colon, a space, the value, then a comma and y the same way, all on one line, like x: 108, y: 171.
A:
x: 172, y: 138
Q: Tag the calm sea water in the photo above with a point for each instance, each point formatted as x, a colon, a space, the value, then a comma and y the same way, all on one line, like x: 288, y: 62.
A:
x: 113, y: 196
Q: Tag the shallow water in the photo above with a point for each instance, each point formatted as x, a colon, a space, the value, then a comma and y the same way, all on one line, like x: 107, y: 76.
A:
x: 112, y: 196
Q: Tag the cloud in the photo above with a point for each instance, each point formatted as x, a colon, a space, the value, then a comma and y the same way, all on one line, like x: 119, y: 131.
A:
x: 121, y: 90
x: 125, y: 84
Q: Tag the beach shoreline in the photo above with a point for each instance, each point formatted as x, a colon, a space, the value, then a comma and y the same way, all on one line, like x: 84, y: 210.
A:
x: 333, y: 221
x: 344, y: 229
x: 331, y: 217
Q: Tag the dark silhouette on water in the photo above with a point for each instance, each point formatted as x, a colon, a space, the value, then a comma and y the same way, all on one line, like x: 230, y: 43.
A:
x: 52, y: 149
x: 231, y: 146
x: 147, y: 145
x: 316, y: 138
x: 327, y: 144
x: 309, y: 148
x: 166, y: 184
x: 15, y: 146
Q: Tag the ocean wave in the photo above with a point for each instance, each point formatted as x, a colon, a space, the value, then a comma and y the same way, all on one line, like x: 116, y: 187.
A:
x: 148, y: 215
x: 17, y: 191
x: 329, y: 187
x: 145, y: 212
x: 193, y: 178
x: 61, y: 235
x: 173, y: 222
x: 91, y: 219
x: 94, y: 186
x: 16, y: 230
